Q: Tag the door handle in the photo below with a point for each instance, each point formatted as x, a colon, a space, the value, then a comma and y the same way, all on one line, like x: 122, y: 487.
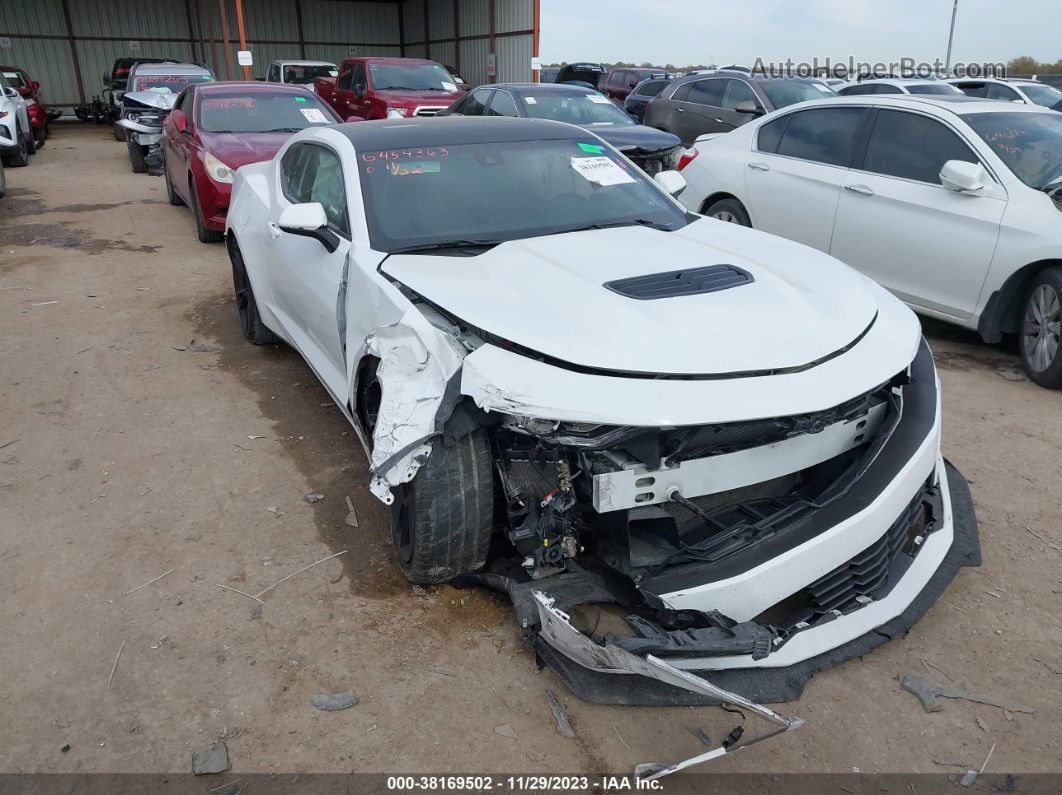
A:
x: 862, y: 190
x: 719, y: 121
x: 274, y: 230
x: 680, y: 110
x: 758, y: 166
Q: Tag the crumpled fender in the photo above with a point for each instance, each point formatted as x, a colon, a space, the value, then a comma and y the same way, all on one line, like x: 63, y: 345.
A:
x: 418, y: 374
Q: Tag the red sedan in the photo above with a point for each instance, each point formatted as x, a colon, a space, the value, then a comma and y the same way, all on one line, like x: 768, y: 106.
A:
x: 215, y: 128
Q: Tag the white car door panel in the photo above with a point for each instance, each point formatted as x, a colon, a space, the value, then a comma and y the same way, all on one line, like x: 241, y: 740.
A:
x: 897, y: 224
x: 796, y: 170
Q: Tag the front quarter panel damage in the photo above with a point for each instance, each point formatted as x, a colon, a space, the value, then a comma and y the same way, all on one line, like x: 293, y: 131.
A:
x: 417, y: 372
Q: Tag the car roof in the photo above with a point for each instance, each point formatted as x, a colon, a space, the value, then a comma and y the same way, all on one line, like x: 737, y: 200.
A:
x: 958, y: 104
x: 301, y: 62
x: 454, y: 130
x: 252, y: 86
x: 553, y: 88
x: 170, y: 69
x: 388, y: 59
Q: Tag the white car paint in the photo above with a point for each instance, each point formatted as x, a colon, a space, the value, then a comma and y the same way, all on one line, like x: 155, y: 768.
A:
x: 14, y: 116
x: 899, y: 86
x: 1029, y: 92
x: 808, y: 334
x: 943, y: 252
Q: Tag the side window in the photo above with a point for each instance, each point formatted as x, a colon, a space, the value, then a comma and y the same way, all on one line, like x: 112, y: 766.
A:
x: 615, y: 78
x: 273, y: 75
x: 477, y: 102
x: 327, y: 188
x: 914, y: 147
x: 503, y: 104
x: 357, y: 80
x: 343, y: 82
x: 682, y: 92
x: 770, y: 134
x: 854, y: 91
x: 738, y: 91
x: 652, y: 88
x: 293, y: 173
x: 974, y: 89
x: 182, y: 102
x: 707, y: 92
x: 997, y: 91
x: 824, y: 135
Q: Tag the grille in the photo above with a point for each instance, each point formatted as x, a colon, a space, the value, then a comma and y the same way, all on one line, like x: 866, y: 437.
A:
x: 429, y: 110
x: 691, y: 281
x: 868, y: 573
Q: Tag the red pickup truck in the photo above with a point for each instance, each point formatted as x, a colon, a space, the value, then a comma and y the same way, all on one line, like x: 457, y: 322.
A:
x: 383, y: 88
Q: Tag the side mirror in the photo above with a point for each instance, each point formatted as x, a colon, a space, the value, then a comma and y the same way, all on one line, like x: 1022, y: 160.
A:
x: 671, y: 181
x: 309, y: 220
x: 180, y: 121
x: 963, y: 177
x: 35, y: 85
x: 355, y: 117
x: 750, y: 107
x: 631, y: 84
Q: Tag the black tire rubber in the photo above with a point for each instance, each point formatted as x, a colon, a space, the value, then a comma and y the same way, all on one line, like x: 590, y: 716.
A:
x: 442, y: 520
x: 119, y: 132
x: 3, y: 182
x: 732, y: 206
x: 136, y: 156
x: 171, y: 194
x: 205, y: 235
x: 254, y: 330
x: 40, y: 135
x: 20, y: 157
x: 31, y: 142
x: 1051, y: 376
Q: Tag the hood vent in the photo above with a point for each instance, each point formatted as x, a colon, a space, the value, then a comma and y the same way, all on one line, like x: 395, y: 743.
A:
x: 672, y: 284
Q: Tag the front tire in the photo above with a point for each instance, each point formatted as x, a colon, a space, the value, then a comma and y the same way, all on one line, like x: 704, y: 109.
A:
x: 254, y: 330
x: 31, y: 142
x: 136, y: 157
x: 119, y: 133
x: 205, y: 235
x: 40, y: 135
x: 730, y: 211
x: 1042, y: 328
x: 20, y: 157
x: 442, y: 520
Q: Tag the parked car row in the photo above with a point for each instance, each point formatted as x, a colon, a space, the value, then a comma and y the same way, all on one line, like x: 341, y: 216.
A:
x: 17, y: 137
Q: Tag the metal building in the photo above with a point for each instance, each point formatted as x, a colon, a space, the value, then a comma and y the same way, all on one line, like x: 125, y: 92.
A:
x: 68, y: 45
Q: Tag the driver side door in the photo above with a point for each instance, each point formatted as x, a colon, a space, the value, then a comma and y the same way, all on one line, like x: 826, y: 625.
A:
x: 305, y: 277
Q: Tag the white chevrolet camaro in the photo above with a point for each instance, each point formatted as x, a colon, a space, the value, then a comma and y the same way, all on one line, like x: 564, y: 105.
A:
x: 951, y: 203
x: 571, y: 389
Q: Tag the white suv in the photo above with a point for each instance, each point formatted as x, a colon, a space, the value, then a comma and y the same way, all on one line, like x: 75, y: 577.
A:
x: 16, y: 135
x: 1026, y: 92
x: 949, y: 202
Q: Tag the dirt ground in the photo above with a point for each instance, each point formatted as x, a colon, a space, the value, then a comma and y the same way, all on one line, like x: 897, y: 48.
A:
x: 140, y: 435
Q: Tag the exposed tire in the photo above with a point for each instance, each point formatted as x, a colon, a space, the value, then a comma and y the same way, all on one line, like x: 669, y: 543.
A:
x: 442, y: 520
x: 40, y: 135
x: 171, y: 194
x: 205, y: 235
x: 119, y: 133
x: 136, y: 157
x: 729, y: 210
x: 20, y: 157
x: 3, y: 182
x: 254, y: 331
x: 31, y: 142
x: 1039, y: 344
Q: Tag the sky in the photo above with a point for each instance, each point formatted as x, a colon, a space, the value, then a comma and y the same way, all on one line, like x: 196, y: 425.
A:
x: 740, y: 31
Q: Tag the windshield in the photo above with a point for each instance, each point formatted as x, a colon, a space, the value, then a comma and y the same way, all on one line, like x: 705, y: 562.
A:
x: 303, y: 74
x: 1029, y: 143
x: 17, y: 79
x: 261, y: 112
x: 582, y: 109
x: 1042, y: 95
x: 789, y: 92
x: 504, y: 191
x: 931, y: 88
x: 175, y: 84
x: 411, y: 77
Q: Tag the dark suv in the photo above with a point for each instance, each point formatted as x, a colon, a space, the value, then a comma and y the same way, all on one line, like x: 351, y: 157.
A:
x: 618, y: 83
x: 641, y: 95
x: 716, y: 103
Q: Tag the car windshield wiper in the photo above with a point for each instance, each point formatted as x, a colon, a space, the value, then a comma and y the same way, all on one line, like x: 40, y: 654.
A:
x: 614, y: 224
x: 443, y: 245
x: 284, y: 129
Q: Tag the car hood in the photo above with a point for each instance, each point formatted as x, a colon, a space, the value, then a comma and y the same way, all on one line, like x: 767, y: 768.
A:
x: 240, y: 149
x: 547, y: 294
x: 636, y: 138
x: 410, y: 98
x: 163, y: 100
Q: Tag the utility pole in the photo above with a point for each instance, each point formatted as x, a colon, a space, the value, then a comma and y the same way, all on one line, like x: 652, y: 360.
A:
x: 243, y: 35
x: 951, y: 35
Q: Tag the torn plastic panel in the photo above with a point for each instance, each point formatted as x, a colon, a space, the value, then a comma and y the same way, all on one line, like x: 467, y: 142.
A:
x: 557, y: 631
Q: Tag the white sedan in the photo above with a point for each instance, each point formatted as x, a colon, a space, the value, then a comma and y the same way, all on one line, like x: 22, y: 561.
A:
x: 951, y: 203
x: 896, y: 86
x: 571, y: 389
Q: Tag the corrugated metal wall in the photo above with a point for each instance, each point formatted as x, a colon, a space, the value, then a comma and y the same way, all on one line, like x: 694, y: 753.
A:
x: 40, y: 41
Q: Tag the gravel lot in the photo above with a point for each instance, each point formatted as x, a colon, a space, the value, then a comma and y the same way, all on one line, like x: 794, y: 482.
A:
x: 140, y: 436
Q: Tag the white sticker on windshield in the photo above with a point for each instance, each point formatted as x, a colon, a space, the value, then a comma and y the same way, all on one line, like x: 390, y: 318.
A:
x: 11, y: 75
x: 599, y: 99
x: 530, y: 100
x: 314, y: 116
x: 601, y: 170
x: 333, y: 73
x: 449, y: 86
